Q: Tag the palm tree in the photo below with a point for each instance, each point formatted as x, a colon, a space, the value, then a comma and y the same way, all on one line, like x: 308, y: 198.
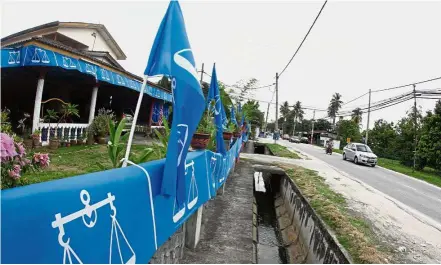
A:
x: 334, y: 106
x: 297, y: 113
x: 356, y: 115
x: 284, y: 111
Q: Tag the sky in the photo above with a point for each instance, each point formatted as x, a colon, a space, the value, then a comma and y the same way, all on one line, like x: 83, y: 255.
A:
x: 354, y: 46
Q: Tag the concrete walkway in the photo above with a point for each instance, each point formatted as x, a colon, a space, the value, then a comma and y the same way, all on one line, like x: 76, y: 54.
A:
x: 226, y: 235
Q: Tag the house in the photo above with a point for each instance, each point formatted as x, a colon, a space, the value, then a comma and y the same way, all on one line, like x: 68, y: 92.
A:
x: 47, y: 65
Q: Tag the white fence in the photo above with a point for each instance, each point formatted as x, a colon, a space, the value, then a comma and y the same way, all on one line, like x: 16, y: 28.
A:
x: 70, y: 131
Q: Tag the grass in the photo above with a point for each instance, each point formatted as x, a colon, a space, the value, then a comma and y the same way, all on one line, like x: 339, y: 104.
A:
x: 73, y: 161
x: 427, y: 174
x: 337, y: 151
x: 282, y: 151
x: 353, y: 232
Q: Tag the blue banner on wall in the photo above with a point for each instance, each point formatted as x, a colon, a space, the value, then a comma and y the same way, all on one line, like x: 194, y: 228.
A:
x: 159, y: 110
x: 36, y: 56
x: 114, y: 216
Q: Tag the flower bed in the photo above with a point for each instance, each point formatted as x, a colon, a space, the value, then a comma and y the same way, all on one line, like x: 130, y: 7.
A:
x: 15, y: 162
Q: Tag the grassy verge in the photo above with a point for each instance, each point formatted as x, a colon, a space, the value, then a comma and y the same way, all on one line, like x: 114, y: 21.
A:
x: 282, y: 151
x: 337, y: 151
x: 353, y: 233
x: 427, y: 174
x: 73, y: 161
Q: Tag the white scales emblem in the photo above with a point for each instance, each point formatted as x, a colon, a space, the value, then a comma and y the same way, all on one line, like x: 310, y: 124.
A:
x: 192, y: 194
x: 14, y: 57
x: 40, y: 56
x: 91, y: 212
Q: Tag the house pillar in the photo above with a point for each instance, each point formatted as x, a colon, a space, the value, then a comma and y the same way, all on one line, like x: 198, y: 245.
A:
x: 93, y: 103
x: 37, y: 103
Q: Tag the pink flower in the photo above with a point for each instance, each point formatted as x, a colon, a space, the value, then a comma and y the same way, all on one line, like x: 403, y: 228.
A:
x: 41, y: 159
x: 21, y: 149
x: 7, y: 147
x: 15, y: 172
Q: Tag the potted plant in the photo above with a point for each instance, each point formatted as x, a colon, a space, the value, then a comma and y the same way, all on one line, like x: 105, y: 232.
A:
x: 53, y: 141
x: 228, y: 133
x: 202, y: 135
x: 36, y: 138
x: 27, y: 140
x: 101, y: 125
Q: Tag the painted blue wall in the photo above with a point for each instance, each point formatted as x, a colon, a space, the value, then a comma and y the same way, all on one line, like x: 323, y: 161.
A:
x: 70, y: 219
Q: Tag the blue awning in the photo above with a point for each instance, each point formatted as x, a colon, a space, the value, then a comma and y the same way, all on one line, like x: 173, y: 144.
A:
x: 33, y: 55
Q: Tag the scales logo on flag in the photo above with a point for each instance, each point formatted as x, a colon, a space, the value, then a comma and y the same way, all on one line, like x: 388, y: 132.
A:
x: 92, y: 217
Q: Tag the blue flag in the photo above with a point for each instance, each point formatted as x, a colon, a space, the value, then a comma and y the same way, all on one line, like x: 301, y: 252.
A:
x: 243, y: 119
x: 219, y: 112
x: 233, y: 116
x: 239, y: 108
x: 171, y: 55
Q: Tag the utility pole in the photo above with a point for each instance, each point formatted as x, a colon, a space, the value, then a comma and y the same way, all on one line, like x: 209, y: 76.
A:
x: 369, y: 115
x: 202, y: 73
x: 312, y: 131
x: 414, y: 127
x: 277, y: 105
x: 266, y: 120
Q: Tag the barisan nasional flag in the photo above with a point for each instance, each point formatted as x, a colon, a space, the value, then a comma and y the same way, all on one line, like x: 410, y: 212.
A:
x: 171, y: 55
x: 233, y: 116
x: 219, y: 112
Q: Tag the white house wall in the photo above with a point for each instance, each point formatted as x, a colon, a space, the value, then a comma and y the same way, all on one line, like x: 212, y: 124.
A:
x: 84, y: 35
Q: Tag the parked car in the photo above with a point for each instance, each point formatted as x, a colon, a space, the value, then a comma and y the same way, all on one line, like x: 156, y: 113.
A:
x: 285, y: 137
x: 359, y: 153
x: 294, y: 139
x: 304, y: 140
x: 128, y: 114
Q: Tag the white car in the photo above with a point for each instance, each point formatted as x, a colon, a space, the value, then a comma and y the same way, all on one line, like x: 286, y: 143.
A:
x: 359, y: 153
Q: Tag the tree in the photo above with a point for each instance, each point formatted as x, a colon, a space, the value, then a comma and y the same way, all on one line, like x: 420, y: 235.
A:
x: 297, y: 114
x: 322, y: 124
x: 383, y: 138
x: 243, y: 88
x: 429, y: 146
x: 406, y: 136
x: 284, y: 111
x: 356, y: 115
x: 348, y: 129
x: 253, y: 114
x: 334, y: 106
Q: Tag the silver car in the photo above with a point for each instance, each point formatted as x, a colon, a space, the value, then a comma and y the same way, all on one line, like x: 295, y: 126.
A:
x: 359, y: 153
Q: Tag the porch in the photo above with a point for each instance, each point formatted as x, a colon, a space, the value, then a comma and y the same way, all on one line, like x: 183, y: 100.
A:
x: 33, y: 85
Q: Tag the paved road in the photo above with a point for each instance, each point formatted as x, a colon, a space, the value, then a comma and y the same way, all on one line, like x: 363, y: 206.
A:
x: 418, y: 195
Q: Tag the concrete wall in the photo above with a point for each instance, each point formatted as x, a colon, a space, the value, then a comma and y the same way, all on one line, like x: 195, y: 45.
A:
x: 83, y: 35
x: 305, y: 235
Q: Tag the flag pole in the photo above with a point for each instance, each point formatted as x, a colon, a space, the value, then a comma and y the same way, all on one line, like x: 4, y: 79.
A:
x: 135, y: 119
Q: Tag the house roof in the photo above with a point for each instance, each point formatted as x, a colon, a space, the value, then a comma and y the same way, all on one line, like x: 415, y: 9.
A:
x: 104, y: 54
x: 57, y: 24
x: 61, y: 46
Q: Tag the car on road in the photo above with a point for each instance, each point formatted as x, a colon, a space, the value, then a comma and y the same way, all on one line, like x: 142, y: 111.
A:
x: 294, y: 139
x: 360, y: 154
x: 128, y: 115
x: 304, y: 140
x: 285, y: 137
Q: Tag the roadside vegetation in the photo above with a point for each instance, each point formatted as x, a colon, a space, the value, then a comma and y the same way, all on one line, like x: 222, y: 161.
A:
x: 427, y: 174
x: 282, y: 151
x: 353, y: 233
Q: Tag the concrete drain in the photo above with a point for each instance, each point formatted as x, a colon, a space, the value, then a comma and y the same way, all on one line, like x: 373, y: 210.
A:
x: 266, y: 235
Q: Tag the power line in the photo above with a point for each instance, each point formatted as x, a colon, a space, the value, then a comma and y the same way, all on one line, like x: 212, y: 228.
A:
x: 310, y: 28
x: 416, y: 83
x: 352, y: 100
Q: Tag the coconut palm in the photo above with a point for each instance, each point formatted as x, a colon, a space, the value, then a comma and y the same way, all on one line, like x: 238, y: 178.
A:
x: 297, y: 113
x: 356, y: 115
x: 334, y: 106
x: 284, y: 111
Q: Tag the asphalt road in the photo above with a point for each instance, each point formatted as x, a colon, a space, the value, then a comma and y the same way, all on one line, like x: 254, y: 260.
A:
x: 416, y: 194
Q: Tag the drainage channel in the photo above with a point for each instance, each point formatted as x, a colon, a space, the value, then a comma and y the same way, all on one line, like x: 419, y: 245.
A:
x: 268, y: 241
